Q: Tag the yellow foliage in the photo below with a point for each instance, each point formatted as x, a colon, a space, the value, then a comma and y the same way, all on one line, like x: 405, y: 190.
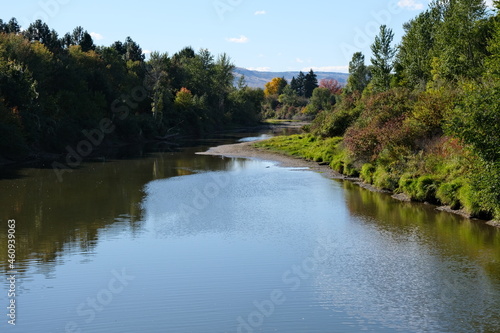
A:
x: 275, y: 86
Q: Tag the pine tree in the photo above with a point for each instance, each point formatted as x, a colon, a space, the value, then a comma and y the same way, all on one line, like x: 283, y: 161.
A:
x: 310, y: 83
x: 383, y: 59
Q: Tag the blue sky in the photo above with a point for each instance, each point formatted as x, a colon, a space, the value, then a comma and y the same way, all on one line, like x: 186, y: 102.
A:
x: 274, y: 35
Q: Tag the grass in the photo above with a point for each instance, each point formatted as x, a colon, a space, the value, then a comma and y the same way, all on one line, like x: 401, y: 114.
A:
x: 305, y: 146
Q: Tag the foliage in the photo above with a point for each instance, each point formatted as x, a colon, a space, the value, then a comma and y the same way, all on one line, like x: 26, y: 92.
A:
x: 359, y: 74
x: 275, y: 86
x: 54, y: 89
x: 382, y: 60
x: 425, y: 123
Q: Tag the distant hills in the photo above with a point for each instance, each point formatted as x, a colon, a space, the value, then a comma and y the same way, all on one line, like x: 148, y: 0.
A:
x: 256, y: 79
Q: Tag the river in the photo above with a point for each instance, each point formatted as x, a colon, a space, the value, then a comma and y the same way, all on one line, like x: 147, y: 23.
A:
x: 178, y: 242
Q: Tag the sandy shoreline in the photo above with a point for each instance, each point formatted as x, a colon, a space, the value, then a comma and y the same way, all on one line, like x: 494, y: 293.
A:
x: 247, y: 150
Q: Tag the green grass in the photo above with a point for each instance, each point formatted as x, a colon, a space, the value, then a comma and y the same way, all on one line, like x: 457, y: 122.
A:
x: 280, y: 121
x: 305, y: 146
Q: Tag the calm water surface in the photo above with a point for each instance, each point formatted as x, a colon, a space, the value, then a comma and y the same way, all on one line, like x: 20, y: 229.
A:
x: 178, y: 242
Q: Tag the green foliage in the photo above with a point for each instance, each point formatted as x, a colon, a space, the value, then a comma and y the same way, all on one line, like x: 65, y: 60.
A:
x: 383, y: 179
x: 310, y: 83
x: 429, y: 130
x: 321, y: 100
x: 447, y: 193
x: 359, y: 76
x: 476, y: 120
x: 52, y: 89
x: 382, y: 60
x: 367, y: 172
x: 423, y: 188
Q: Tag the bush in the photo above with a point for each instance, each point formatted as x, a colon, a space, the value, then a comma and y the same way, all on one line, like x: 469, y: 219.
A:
x: 423, y: 188
x: 447, y: 193
x: 383, y: 179
x: 470, y: 200
x: 367, y: 172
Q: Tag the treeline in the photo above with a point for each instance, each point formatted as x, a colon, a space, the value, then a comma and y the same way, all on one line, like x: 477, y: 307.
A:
x: 423, y: 118
x: 53, y: 89
x: 301, y: 99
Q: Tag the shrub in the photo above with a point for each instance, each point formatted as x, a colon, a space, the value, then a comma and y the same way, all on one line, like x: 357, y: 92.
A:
x: 367, y: 172
x: 470, y: 200
x: 447, y: 193
x: 383, y: 179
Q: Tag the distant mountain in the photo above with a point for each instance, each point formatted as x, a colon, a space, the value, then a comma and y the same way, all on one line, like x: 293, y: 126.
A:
x: 256, y: 79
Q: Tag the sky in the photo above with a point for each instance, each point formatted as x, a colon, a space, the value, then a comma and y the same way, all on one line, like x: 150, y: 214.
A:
x: 275, y: 35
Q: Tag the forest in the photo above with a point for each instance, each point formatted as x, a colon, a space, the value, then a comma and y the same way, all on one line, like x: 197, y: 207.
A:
x: 57, y: 91
x: 422, y: 119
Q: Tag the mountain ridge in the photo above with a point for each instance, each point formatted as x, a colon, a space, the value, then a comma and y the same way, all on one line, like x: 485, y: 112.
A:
x: 258, y: 79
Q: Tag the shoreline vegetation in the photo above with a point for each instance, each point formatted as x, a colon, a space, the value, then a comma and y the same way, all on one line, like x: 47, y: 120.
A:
x: 274, y: 150
x: 422, y: 120
x: 64, y: 95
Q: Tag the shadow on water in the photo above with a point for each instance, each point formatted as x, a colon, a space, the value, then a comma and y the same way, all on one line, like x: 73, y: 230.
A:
x: 55, y: 217
x: 450, y: 234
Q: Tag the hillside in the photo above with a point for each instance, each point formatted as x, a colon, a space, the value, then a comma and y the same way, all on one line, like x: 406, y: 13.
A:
x: 256, y: 79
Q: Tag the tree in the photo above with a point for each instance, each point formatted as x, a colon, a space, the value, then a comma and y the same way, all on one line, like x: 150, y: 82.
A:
x: 132, y: 50
x: 382, y: 60
x: 493, y: 61
x: 359, y: 74
x: 80, y: 37
x: 321, y: 100
x: 460, y: 38
x: 298, y: 84
x: 11, y: 27
x: 310, y: 83
x: 415, y: 51
x: 275, y: 86
x: 157, y: 80
x: 333, y: 85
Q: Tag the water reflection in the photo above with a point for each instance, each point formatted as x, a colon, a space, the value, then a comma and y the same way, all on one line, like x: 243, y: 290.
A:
x: 54, y: 218
x: 207, y: 236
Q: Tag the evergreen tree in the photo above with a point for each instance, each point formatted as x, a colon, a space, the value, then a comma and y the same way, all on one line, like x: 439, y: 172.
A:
x: 298, y: 85
x: 132, y: 50
x: 310, y: 83
x: 383, y: 59
x: 359, y: 74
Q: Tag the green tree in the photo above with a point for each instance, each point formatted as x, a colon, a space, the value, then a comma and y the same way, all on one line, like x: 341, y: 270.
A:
x: 493, y: 60
x: 358, y: 74
x: 321, y: 100
x: 157, y: 80
x: 133, y: 51
x: 415, y: 51
x: 310, y: 83
x: 461, y: 38
x: 298, y: 84
x: 382, y: 60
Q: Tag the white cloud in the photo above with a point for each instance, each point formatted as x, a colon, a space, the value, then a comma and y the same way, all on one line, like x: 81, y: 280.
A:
x: 260, y: 12
x: 146, y: 52
x: 241, y: 39
x: 96, y: 36
x: 411, y: 4
x: 260, y: 69
x: 299, y: 60
x: 342, y: 69
x: 489, y: 3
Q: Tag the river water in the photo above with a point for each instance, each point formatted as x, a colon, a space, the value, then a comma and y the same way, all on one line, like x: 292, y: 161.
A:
x: 179, y: 242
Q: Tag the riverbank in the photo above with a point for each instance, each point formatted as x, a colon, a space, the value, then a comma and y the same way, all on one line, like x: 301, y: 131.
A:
x: 249, y: 150
x: 108, y: 148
